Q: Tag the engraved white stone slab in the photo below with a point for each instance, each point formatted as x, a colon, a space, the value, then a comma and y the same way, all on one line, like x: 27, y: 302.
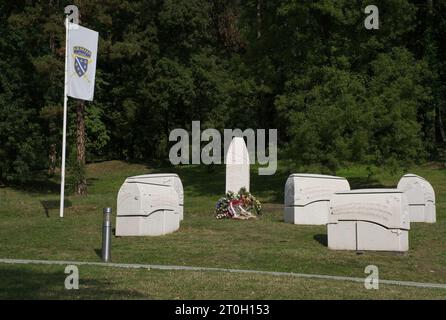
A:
x: 375, y: 237
x: 307, y: 197
x: 237, y: 165
x: 170, y: 179
x: 421, y: 197
x: 363, y: 236
x: 369, y: 219
x: 388, y: 207
x: 146, y: 209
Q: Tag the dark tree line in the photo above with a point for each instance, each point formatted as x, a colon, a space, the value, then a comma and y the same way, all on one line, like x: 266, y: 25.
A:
x: 338, y: 93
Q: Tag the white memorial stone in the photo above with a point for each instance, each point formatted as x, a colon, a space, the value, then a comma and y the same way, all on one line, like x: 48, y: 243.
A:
x: 421, y: 198
x: 307, y: 197
x: 237, y: 166
x: 369, y: 219
x: 147, y: 207
x: 170, y: 179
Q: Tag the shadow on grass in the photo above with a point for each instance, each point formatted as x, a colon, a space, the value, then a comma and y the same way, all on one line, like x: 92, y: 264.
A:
x: 199, y: 180
x: 53, y: 205
x: 322, y: 239
x: 98, y: 252
x: 365, y: 183
x: 269, y: 186
x: 41, y: 184
x: 209, y: 181
x: 19, y: 283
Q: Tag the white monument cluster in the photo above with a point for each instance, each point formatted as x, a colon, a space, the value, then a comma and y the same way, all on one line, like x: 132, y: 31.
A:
x: 152, y: 204
x: 364, y: 219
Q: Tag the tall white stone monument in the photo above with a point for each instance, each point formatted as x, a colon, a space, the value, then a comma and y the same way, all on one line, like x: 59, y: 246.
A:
x: 148, y: 206
x: 369, y: 219
x: 307, y: 197
x: 237, y: 165
x: 421, y: 197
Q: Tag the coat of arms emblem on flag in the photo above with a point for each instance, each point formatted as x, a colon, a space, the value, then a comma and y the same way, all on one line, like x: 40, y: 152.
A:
x: 81, y: 61
x: 81, y: 58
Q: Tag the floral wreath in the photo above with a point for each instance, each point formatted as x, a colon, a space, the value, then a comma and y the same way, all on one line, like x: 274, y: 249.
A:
x: 242, y: 205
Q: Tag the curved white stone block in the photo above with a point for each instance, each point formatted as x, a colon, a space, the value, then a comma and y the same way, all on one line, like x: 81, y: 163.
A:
x: 148, y: 206
x: 307, y: 197
x: 421, y: 197
x: 170, y: 179
x: 369, y: 219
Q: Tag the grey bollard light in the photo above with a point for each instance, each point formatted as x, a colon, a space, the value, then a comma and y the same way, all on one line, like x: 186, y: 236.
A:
x: 106, y: 235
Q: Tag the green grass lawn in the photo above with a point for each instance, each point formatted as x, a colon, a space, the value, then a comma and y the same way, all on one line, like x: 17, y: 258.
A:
x: 46, y: 282
x: 30, y: 228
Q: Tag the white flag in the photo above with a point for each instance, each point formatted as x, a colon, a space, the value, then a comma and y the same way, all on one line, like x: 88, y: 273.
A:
x: 83, y: 47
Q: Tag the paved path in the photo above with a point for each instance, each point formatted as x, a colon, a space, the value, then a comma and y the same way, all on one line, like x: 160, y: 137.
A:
x: 271, y: 273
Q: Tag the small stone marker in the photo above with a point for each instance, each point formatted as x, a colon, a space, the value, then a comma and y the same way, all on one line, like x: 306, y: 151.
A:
x: 237, y: 166
x: 307, y: 197
x: 421, y: 198
x: 148, y: 206
x: 369, y: 219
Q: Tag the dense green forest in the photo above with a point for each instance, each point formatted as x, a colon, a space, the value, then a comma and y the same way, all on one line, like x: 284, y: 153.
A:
x: 337, y: 92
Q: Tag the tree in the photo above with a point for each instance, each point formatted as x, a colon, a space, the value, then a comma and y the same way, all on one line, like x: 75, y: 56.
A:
x: 338, y: 93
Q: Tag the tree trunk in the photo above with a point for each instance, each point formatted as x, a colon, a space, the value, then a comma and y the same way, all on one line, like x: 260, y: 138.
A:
x: 81, y: 180
x: 259, y: 18
x: 440, y: 125
x: 52, y: 158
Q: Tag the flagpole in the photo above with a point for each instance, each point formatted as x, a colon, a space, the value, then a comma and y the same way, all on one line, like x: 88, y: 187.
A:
x: 64, y: 134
